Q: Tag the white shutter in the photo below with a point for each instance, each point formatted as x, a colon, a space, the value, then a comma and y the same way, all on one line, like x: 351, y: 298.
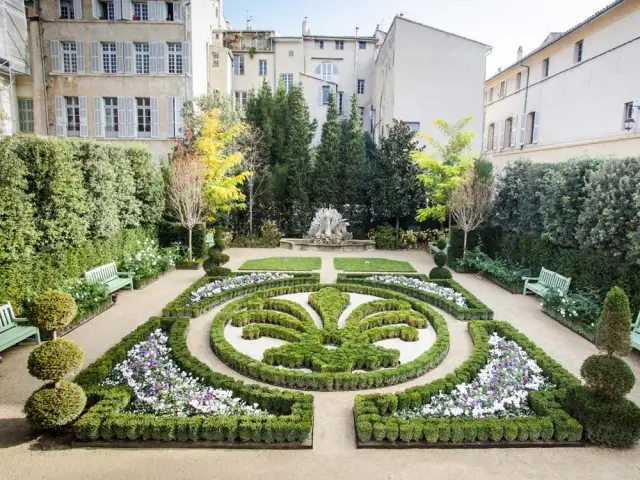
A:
x: 59, y: 9
x: 154, y: 117
x: 522, y: 128
x: 98, y: 117
x: 178, y: 117
x: 161, y: 11
x: 536, y: 128
x: 319, y: 94
x: 131, y: 116
x: 56, y: 63
x: 127, y: 9
x: 77, y: 9
x: 501, y: 126
x: 84, y: 121
x: 153, y: 57
x: 151, y: 9
x: 162, y: 62
x: 177, y: 11
x: 95, y: 58
x: 122, y: 117
x: 514, y: 130
x: 186, y: 57
x: 95, y: 11
x: 61, y: 120
x: 80, y: 56
x: 486, y: 138
x: 117, y: 9
x: 120, y: 57
x: 128, y: 57
x: 496, y: 127
x: 171, y: 118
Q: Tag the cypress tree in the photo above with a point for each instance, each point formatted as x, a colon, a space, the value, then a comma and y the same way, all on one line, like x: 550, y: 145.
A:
x: 260, y: 113
x: 353, y: 158
x: 281, y: 120
x: 327, y: 173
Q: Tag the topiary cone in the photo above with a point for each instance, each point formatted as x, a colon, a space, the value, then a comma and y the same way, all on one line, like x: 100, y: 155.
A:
x: 615, y: 324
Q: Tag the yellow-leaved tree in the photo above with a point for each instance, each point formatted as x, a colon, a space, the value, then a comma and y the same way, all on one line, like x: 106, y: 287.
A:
x: 224, y: 173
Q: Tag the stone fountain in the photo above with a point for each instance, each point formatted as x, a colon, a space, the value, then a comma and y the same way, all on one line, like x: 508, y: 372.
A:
x: 328, y: 232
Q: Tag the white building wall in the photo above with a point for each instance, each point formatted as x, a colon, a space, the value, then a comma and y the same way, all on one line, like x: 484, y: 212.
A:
x: 203, y: 20
x: 289, y: 64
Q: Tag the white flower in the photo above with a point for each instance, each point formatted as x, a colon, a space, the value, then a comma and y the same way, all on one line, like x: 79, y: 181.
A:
x: 429, y: 287
x: 217, y: 287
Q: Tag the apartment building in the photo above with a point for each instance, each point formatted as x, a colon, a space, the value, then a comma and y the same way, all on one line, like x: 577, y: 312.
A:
x: 14, y: 63
x: 577, y: 94
x: 117, y: 70
x: 423, y: 74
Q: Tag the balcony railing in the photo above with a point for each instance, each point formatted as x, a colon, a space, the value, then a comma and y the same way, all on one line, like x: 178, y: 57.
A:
x: 259, y: 44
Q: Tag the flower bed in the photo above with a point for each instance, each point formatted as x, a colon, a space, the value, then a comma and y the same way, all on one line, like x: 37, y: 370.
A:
x: 580, y: 312
x: 181, y: 307
x: 474, y: 310
x: 379, y: 425
x: 285, y: 418
x: 216, y: 287
x: 149, y: 262
x: 428, y: 287
x: 500, y: 272
x: 329, y: 374
x: 141, y: 282
x: 81, y: 318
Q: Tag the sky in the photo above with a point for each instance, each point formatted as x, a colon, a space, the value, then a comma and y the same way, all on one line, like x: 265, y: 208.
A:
x: 502, y: 24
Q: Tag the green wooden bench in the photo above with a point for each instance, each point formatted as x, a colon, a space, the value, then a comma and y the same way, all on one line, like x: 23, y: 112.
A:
x: 635, y: 333
x: 209, y: 240
x: 546, y: 281
x: 109, y: 276
x: 12, y: 330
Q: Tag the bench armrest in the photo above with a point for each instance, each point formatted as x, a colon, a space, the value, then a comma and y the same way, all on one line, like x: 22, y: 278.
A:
x: 21, y: 320
x: 126, y: 274
x: 528, y: 279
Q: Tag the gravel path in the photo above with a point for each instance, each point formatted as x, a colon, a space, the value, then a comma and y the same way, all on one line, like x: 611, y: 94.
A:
x: 334, y: 454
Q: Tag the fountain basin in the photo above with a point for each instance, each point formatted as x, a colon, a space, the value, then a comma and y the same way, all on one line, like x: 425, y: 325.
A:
x: 345, y: 246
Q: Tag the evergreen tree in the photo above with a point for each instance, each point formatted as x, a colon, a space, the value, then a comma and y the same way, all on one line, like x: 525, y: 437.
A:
x: 281, y: 121
x: 259, y: 113
x: 327, y: 172
x: 353, y: 158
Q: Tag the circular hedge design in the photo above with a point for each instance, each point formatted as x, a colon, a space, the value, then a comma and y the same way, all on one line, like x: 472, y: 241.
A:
x: 350, y: 348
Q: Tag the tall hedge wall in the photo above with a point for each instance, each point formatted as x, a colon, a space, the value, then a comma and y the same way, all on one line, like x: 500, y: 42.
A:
x: 173, y: 232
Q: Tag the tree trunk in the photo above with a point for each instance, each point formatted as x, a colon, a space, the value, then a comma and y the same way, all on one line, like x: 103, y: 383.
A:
x: 449, y: 226
x: 464, y: 246
x: 397, y: 228
x: 251, y: 208
x: 190, y: 250
x: 54, y: 335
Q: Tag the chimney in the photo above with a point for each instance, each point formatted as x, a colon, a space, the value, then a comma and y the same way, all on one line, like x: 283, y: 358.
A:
x: 520, y: 53
x: 305, y: 26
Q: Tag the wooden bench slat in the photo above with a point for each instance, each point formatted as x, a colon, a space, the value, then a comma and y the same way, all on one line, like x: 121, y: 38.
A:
x: 10, y: 331
x: 109, y: 276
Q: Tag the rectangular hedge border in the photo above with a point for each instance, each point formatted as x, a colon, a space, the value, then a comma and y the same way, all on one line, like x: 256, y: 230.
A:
x: 476, y: 310
x: 178, y: 307
x: 576, y: 327
x: 290, y: 426
x: 79, y: 320
x: 142, y: 282
x: 551, y: 427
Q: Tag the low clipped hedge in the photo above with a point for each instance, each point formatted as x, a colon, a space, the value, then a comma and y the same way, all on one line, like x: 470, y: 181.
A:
x: 179, y: 307
x: 476, y: 310
x: 552, y: 423
x: 107, y: 419
x: 328, y: 380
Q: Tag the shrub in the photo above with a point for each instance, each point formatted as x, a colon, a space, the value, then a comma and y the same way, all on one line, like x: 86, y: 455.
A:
x: 149, y: 184
x: 270, y: 233
x: 501, y: 272
x: 51, y: 310
x: 440, y: 258
x: 170, y: 233
x: 384, y: 236
x: 49, y: 407
x: 616, y: 424
x: 610, y: 377
x: 615, y: 323
x: 440, y: 273
x: 87, y: 295
x: 55, y: 360
x: 442, y: 243
x: 212, y: 265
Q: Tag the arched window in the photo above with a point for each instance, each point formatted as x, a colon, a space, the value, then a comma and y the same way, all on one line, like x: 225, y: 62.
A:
x: 328, y: 72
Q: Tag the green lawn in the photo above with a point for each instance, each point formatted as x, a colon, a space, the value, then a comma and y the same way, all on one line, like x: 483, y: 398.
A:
x: 283, y: 264
x: 371, y: 265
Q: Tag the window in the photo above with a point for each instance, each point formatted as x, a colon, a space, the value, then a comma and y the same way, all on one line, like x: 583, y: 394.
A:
x: 491, y: 95
x: 109, y: 58
x: 25, y: 115
x: 106, y: 11
x: 327, y: 71
x: 503, y: 88
x: 144, y: 116
x: 339, y: 45
x: 490, y: 137
x: 361, y: 111
x: 530, y: 132
x: 578, y: 51
x: 545, y: 68
x: 287, y: 79
x: 175, y: 57
x: 215, y: 59
x: 628, y: 111
x: 66, y: 10
x: 73, y: 116
x: 110, y: 116
x: 170, y: 12
x: 361, y: 86
x: 241, y: 100
x: 141, y: 11
x: 320, y: 44
x: 70, y: 57
x: 414, y: 126
x: 262, y: 68
x: 291, y: 53
x: 142, y: 58
x: 238, y: 64
x: 362, y: 45
x: 325, y: 94
x: 340, y: 103
x: 508, y: 133
x: 519, y: 81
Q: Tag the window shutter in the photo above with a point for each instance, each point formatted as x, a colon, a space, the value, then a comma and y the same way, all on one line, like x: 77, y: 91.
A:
x: 320, y: 94
x: 186, y: 56
x: 94, y: 11
x: 122, y: 117
x: 536, y: 127
x: 501, y: 127
x: 514, y: 130
x: 154, y: 117
x: 161, y: 11
x: 59, y: 9
x: 131, y: 114
x: 171, y: 118
x: 80, y: 53
x: 120, y: 57
x: 95, y: 58
x: 485, y: 145
x: 177, y: 11
x: 128, y: 57
x: 151, y: 9
x: 127, y: 9
x: 496, y: 127
x: 178, y: 117
x: 61, y: 120
x: 84, y: 121
x: 117, y: 9
x: 77, y: 9
x: 98, y: 117
x: 522, y: 127
x: 56, y: 64
x: 162, y: 63
x: 153, y: 57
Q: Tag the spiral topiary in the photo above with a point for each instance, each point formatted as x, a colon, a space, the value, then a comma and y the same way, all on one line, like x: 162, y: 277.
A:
x: 440, y: 258
x: 52, y: 407
x: 440, y: 273
x: 55, y: 360
x: 212, y: 265
x: 52, y: 310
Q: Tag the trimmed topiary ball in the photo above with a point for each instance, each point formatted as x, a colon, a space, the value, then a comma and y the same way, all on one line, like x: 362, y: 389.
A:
x: 440, y: 273
x: 610, y: 377
x: 214, y: 270
x: 50, y: 407
x: 440, y: 258
x: 55, y: 360
x: 52, y: 310
x: 615, y: 323
x: 442, y: 243
x: 218, y: 257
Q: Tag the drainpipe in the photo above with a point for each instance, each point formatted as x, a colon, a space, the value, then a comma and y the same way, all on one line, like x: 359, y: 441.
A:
x: 355, y: 66
x: 45, y: 87
x: 526, y: 94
